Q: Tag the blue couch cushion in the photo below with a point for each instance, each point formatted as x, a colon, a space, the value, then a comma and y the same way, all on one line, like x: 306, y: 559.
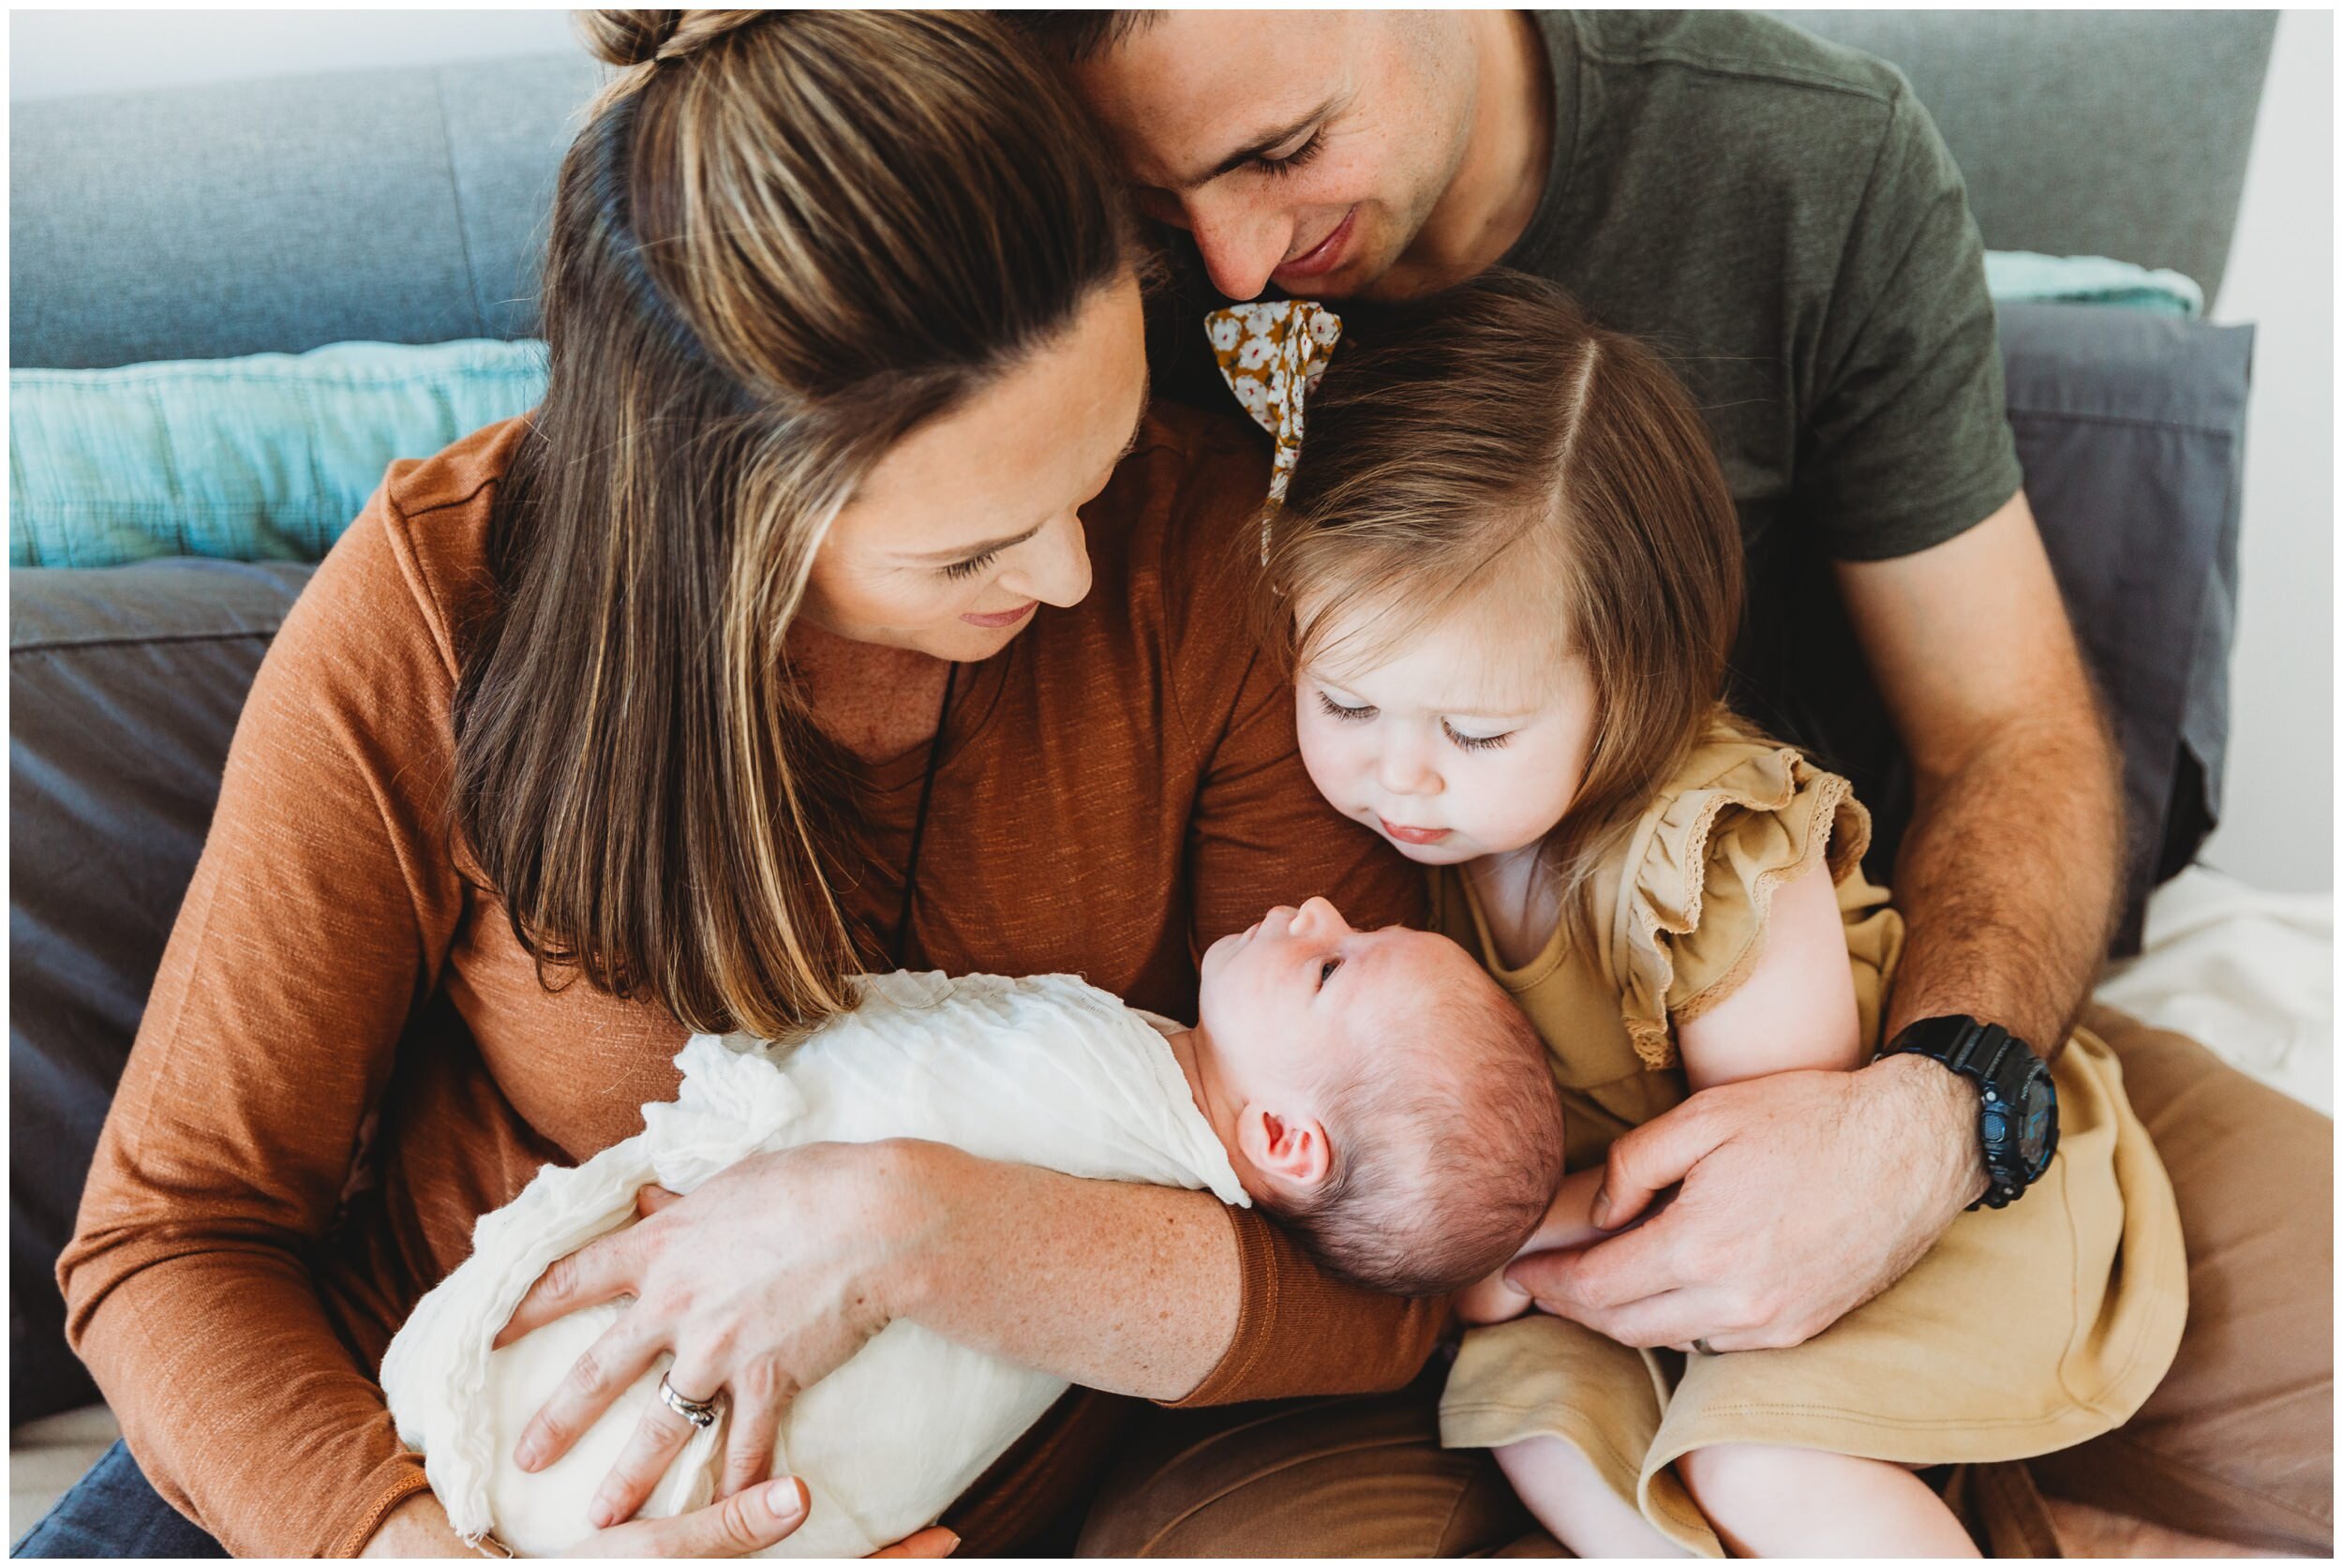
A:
x: 402, y: 204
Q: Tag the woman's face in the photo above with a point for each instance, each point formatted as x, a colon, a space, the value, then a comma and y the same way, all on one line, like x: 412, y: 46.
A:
x: 963, y: 531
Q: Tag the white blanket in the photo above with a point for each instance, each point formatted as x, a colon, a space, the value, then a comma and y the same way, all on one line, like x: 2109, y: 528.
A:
x: 1044, y: 1071
x: 2246, y: 972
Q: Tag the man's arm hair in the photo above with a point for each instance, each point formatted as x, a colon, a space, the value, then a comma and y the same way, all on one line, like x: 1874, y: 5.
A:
x: 2007, y: 875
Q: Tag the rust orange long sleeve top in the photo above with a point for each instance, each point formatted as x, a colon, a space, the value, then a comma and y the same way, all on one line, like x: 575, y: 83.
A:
x: 347, y: 1058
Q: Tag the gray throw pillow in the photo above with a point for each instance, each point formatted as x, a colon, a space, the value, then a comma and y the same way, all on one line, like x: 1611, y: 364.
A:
x: 2131, y: 429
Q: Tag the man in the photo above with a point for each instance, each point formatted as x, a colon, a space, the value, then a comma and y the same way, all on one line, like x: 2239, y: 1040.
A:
x: 1779, y: 217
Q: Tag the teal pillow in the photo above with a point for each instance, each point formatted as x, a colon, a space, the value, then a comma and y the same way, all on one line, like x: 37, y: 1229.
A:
x: 267, y: 458
x: 2029, y: 277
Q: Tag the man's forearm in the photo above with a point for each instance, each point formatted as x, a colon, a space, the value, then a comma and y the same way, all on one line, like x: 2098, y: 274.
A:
x: 1112, y: 1285
x: 2008, y: 879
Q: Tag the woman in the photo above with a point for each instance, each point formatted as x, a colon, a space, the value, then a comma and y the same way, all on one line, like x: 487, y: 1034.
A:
x: 838, y: 609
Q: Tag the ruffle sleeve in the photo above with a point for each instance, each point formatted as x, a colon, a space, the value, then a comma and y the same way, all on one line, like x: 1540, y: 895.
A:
x: 1742, y: 818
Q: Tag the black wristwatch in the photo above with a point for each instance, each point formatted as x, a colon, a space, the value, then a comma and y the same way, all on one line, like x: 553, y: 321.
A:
x: 2017, y: 1117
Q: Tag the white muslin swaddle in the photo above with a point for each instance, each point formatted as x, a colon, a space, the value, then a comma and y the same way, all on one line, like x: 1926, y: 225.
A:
x: 1044, y: 1071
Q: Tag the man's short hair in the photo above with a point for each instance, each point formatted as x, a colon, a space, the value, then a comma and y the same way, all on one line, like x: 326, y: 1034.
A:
x: 1074, y: 37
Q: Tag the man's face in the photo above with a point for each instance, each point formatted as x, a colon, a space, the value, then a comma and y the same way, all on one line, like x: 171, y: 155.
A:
x: 1301, y: 148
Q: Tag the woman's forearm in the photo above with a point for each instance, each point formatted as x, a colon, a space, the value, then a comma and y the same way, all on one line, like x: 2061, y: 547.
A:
x: 214, y: 1340
x: 418, y: 1528
x: 1113, y: 1284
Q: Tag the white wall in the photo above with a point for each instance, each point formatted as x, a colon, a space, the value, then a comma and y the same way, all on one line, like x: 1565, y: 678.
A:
x: 59, y: 53
x: 2278, y: 827
x: 2279, y: 807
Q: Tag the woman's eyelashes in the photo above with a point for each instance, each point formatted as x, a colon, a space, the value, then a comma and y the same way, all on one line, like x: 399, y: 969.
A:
x: 959, y: 570
x: 1364, y: 711
x: 1296, y: 159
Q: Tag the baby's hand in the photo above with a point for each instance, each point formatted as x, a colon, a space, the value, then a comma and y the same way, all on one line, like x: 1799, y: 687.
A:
x: 1491, y: 1300
x: 1568, y: 1224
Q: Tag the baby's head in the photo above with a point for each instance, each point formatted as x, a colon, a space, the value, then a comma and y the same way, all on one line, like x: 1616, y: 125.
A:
x: 1380, y: 1095
x: 1507, y: 573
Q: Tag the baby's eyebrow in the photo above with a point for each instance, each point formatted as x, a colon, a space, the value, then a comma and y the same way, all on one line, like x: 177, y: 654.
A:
x: 1362, y: 955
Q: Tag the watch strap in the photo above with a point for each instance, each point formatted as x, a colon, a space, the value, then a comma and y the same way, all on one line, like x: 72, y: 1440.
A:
x: 2000, y: 1065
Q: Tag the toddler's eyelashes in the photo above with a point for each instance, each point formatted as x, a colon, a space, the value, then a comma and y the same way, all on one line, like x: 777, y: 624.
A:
x: 1475, y: 742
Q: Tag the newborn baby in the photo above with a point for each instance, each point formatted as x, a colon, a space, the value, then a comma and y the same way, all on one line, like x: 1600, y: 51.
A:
x: 1375, y: 1090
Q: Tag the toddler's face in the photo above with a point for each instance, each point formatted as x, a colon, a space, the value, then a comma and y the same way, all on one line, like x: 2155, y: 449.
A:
x: 1278, y: 1000
x: 1441, y: 748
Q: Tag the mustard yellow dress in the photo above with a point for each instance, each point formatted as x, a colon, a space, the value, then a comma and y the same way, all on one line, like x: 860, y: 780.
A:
x: 2024, y: 1330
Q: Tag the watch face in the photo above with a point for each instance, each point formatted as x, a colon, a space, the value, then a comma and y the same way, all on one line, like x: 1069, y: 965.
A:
x: 2037, y: 1121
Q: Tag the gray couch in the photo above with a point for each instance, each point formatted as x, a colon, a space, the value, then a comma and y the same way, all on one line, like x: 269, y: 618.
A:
x: 406, y: 206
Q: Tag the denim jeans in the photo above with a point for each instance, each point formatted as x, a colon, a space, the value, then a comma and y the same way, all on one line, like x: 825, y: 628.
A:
x: 114, y: 1511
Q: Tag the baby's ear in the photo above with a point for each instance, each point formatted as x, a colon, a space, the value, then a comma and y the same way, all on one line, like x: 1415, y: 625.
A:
x: 1292, y: 1149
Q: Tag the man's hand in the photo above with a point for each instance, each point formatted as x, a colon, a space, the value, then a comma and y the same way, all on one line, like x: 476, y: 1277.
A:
x: 1804, y: 1195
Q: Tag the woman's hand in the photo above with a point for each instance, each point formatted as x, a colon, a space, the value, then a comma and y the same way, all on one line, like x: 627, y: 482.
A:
x: 740, y: 1524
x: 761, y: 1283
x: 735, y: 1526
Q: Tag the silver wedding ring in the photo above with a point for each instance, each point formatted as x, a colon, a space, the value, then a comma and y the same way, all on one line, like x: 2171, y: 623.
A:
x: 699, y: 1413
x: 1704, y: 1347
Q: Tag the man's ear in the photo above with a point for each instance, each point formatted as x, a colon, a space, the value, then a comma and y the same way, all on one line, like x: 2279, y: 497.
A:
x: 1292, y: 1149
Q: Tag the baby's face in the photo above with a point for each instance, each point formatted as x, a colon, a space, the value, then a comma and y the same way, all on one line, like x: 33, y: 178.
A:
x: 1281, y: 1000
x: 1450, y: 748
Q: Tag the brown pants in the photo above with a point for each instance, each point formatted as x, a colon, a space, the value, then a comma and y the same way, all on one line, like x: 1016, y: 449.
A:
x: 2237, y: 1443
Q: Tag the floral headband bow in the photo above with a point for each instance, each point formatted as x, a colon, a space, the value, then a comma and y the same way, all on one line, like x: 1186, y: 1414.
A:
x: 1272, y: 355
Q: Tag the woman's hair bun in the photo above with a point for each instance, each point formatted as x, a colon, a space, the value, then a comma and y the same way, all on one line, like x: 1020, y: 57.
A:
x: 636, y: 37
x: 627, y: 37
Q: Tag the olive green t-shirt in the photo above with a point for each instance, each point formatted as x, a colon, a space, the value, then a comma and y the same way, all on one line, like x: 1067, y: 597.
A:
x: 1779, y: 219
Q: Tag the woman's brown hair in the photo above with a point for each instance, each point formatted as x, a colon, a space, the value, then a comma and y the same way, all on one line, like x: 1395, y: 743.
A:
x: 783, y: 240
x: 1490, y: 443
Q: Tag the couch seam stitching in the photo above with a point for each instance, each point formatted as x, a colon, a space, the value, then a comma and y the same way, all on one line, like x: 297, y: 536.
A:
x: 66, y: 645
x: 456, y: 196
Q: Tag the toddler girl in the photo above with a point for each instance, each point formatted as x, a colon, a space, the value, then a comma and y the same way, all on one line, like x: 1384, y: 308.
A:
x: 1506, y: 570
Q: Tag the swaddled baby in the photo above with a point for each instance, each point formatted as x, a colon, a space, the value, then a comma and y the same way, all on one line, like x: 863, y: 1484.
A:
x: 1374, y: 1090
